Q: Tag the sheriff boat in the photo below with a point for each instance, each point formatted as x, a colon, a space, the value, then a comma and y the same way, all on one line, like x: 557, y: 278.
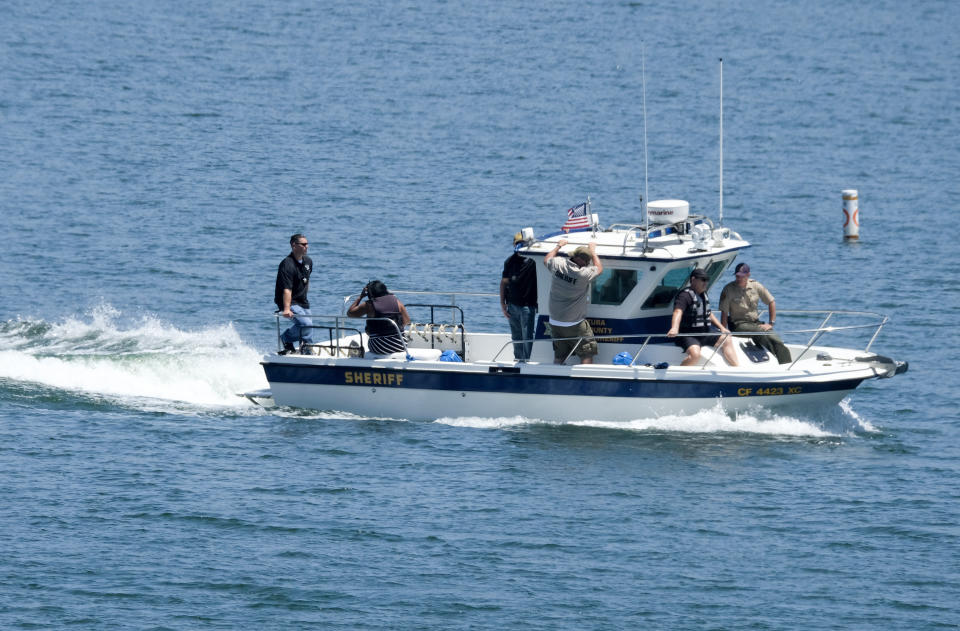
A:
x: 645, y: 266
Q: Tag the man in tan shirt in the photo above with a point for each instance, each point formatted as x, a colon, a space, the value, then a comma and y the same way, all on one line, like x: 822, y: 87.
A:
x: 739, y: 302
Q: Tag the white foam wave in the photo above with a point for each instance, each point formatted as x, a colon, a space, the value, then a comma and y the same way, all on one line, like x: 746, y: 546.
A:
x: 864, y: 424
x: 147, y: 359
x: 712, y: 420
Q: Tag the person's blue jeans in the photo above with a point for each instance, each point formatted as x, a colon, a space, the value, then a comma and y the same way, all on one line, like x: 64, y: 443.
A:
x: 301, y: 327
x: 522, y: 323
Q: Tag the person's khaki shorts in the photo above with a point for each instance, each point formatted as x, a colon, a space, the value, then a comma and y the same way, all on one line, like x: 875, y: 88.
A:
x: 562, y: 348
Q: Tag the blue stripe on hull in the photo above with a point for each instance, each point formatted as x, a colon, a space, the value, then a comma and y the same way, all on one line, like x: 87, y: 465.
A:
x: 515, y: 383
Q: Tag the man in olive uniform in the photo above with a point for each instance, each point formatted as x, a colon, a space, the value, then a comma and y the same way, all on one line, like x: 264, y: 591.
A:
x: 739, y: 303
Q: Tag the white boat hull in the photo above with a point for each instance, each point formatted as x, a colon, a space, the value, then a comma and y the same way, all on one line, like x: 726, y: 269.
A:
x: 427, y: 390
x: 432, y: 404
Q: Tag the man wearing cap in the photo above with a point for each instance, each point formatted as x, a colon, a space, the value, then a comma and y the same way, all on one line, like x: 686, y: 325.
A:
x: 569, y: 297
x: 739, y: 302
x: 691, y: 314
x: 518, y: 300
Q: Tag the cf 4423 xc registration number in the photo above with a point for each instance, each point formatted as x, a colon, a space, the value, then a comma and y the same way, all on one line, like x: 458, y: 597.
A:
x: 767, y: 391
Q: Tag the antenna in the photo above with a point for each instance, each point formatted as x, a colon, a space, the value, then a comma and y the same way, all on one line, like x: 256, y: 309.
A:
x: 590, y: 217
x: 721, y: 142
x: 646, y: 196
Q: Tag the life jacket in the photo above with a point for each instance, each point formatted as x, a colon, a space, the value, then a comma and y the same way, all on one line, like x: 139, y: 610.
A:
x: 386, y: 306
x: 696, y: 317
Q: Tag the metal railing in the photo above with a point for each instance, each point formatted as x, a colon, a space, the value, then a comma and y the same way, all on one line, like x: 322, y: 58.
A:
x: 817, y: 333
x: 454, y: 298
x: 336, y: 332
x: 823, y: 329
x: 433, y: 329
x: 601, y: 338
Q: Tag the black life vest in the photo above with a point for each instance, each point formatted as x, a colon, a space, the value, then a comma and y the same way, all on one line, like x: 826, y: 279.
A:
x: 696, y: 317
x: 521, y: 275
x: 386, y: 306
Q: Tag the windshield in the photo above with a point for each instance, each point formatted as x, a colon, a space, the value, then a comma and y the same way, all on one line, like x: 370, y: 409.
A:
x: 664, y: 293
x: 613, y: 286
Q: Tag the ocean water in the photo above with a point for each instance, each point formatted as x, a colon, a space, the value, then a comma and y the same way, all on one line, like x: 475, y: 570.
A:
x: 155, y: 159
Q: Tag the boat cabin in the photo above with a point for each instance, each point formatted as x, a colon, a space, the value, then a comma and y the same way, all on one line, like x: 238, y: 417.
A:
x: 643, y: 269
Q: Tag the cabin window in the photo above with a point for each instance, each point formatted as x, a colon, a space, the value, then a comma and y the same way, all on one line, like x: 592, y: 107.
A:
x: 714, y: 270
x: 613, y: 286
x: 664, y: 293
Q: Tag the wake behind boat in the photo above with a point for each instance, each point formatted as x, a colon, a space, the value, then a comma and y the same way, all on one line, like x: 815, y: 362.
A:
x: 637, y: 372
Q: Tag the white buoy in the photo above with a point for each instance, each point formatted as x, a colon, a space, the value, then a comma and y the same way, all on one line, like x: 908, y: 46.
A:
x: 851, y: 214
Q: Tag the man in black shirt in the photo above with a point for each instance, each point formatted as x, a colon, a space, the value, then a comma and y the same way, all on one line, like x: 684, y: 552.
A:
x: 290, y: 294
x: 692, y: 314
x: 518, y: 300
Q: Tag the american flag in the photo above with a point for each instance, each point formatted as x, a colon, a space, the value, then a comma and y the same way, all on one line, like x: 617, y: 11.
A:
x: 577, y: 218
